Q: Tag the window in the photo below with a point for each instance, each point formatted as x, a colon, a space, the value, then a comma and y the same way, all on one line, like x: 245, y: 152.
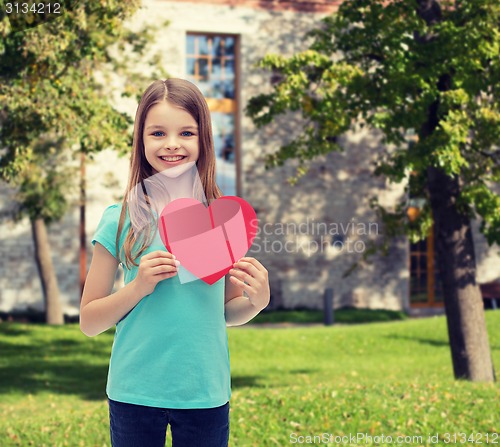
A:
x: 425, y: 275
x: 425, y: 279
x: 211, y: 65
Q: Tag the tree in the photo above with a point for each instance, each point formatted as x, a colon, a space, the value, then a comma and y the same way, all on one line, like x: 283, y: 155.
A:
x: 424, y: 66
x: 55, y: 109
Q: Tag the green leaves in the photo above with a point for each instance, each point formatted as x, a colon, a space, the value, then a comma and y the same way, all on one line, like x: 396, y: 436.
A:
x: 381, y: 65
x: 54, y: 85
x: 487, y: 205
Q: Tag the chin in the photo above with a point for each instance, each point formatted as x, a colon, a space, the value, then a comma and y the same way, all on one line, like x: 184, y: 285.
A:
x: 177, y: 170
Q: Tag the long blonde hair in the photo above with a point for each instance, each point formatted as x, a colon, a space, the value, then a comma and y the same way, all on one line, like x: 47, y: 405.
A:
x: 187, y: 96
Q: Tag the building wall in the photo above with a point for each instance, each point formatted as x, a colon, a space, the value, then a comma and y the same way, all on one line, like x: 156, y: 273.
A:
x: 295, y: 223
x: 321, y: 6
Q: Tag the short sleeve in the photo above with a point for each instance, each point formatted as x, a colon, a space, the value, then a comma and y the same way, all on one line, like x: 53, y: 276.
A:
x: 105, y: 232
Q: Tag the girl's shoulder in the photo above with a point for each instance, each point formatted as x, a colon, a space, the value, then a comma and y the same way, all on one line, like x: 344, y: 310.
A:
x: 112, y: 212
x: 115, y: 207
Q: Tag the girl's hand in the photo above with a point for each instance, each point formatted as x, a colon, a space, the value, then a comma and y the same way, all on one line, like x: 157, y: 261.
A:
x: 153, y: 268
x: 252, y: 277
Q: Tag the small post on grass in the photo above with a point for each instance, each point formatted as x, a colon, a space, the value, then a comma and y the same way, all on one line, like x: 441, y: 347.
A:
x: 328, y: 306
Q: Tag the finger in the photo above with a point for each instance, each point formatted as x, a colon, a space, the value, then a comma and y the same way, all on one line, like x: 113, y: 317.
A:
x: 252, y: 261
x: 161, y: 261
x: 263, y: 273
x: 246, y: 287
x: 163, y: 269
x: 159, y: 254
x: 166, y: 275
x: 247, y: 267
x: 243, y: 276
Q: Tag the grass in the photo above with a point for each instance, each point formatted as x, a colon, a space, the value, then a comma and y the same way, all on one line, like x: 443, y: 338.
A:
x: 379, y: 379
x: 345, y: 315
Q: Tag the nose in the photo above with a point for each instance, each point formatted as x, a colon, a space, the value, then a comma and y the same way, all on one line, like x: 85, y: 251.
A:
x: 172, y: 143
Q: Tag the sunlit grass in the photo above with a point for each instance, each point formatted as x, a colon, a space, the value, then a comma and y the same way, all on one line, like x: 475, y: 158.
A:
x: 391, y: 379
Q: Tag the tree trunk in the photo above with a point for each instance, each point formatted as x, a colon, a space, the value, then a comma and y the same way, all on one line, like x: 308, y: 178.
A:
x: 83, y: 236
x: 53, y: 310
x: 470, y: 350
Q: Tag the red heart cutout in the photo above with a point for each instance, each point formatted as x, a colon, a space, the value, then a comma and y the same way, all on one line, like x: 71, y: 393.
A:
x: 208, y: 241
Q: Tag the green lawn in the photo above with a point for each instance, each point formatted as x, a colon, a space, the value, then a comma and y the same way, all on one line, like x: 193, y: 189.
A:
x: 378, y: 379
x: 344, y: 315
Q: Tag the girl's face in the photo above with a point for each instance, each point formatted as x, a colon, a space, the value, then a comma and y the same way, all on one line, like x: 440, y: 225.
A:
x: 170, y: 137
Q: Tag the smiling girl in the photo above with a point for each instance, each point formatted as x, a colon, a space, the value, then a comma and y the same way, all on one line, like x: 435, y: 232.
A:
x: 170, y: 360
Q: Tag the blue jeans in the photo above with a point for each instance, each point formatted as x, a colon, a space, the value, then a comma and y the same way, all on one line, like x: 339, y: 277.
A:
x: 142, y: 426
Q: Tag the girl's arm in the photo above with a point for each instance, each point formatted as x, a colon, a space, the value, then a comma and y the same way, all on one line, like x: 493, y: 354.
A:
x: 249, y: 276
x: 99, y: 310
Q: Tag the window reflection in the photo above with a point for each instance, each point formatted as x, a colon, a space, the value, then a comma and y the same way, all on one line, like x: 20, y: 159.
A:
x: 190, y: 44
x: 210, y: 64
x: 203, y: 69
x: 190, y: 67
x: 202, y: 46
x: 216, y: 42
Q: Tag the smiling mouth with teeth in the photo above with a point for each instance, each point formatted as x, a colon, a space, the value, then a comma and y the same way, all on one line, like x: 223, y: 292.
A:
x: 176, y: 158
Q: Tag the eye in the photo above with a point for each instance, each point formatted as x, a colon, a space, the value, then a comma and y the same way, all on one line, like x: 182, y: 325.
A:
x: 187, y: 131
x: 158, y: 131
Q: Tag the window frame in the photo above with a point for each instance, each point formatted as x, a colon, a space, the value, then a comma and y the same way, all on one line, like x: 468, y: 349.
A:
x: 221, y: 103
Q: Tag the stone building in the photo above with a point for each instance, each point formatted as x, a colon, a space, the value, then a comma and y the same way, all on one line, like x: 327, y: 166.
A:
x: 309, y: 234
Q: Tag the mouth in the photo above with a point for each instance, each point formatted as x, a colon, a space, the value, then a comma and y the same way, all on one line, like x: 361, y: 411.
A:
x: 172, y: 160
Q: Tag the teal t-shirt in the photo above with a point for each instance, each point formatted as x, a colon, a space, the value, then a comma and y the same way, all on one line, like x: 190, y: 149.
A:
x: 171, y: 349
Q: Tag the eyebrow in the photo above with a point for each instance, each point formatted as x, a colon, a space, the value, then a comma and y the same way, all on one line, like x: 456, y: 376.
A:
x: 156, y: 126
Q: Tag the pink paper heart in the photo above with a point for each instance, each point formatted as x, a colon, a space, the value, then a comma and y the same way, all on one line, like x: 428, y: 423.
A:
x: 208, y: 241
